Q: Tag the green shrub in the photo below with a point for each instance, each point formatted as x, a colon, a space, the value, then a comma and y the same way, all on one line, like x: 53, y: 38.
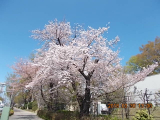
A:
x: 24, y: 106
x: 142, y: 115
x: 70, y: 115
x: 11, y: 112
x: 30, y: 105
x: 46, y: 115
x: 65, y: 115
x: 34, y: 106
x: 59, y: 115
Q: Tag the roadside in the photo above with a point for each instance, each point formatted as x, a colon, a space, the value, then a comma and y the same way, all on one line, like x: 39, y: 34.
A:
x: 23, y: 115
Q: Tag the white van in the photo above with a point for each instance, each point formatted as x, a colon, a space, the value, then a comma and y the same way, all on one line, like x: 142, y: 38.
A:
x: 1, y: 103
x: 1, y: 106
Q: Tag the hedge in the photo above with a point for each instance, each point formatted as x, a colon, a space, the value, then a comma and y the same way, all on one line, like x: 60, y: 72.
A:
x: 70, y: 115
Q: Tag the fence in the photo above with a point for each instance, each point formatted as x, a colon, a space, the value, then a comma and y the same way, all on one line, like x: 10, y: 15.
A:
x: 129, y: 103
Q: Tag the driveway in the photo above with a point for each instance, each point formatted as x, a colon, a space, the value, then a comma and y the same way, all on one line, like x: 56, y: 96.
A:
x: 23, y: 115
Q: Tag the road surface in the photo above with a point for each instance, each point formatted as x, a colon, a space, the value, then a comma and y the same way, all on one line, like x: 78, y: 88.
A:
x: 23, y: 115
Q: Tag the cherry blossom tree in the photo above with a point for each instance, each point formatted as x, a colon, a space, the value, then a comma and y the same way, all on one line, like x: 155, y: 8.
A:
x: 25, y: 71
x: 81, y: 61
x: 10, y: 89
x: 23, y: 74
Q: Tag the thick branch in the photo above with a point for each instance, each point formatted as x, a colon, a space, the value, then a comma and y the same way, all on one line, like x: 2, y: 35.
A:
x: 59, y: 42
x: 43, y: 95
x: 85, y: 61
x: 90, y: 74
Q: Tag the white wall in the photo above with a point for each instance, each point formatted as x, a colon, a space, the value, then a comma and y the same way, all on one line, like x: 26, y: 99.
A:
x: 152, y: 83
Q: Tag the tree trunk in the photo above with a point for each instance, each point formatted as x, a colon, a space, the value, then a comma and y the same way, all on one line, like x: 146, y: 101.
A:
x: 50, y: 103
x: 84, y: 101
x: 84, y: 104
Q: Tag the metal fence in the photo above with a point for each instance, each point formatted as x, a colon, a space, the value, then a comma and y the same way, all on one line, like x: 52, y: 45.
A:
x: 127, y: 104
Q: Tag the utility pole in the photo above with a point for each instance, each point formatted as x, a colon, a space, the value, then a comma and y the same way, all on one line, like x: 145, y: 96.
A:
x: 2, y: 85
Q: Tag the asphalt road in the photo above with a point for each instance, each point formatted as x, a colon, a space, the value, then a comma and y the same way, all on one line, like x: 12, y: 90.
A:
x: 23, y: 115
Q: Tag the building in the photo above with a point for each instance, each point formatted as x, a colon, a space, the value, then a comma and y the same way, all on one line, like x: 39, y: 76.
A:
x: 152, y: 85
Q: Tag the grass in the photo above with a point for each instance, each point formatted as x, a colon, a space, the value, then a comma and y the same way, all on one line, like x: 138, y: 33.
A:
x: 154, y: 113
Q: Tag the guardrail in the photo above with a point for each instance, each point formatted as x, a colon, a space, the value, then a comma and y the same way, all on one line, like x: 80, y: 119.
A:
x: 5, y: 113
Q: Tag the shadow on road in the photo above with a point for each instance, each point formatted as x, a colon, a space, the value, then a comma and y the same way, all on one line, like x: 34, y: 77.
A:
x: 23, y: 115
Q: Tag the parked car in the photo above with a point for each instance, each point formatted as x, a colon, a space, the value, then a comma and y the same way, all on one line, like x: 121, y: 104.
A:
x: 103, y: 108
x: 1, y: 103
x: 1, y: 108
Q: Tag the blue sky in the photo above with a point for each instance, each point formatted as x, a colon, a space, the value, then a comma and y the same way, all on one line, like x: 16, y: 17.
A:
x: 134, y: 21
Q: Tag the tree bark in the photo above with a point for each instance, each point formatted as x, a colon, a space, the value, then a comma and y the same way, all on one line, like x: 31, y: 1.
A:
x: 84, y: 102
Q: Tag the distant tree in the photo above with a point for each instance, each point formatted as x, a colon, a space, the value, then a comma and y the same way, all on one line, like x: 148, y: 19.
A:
x: 150, y: 53
x: 1, y: 98
x: 23, y: 74
x: 157, y: 97
x: 19, y: 99
x: 10, y: 89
